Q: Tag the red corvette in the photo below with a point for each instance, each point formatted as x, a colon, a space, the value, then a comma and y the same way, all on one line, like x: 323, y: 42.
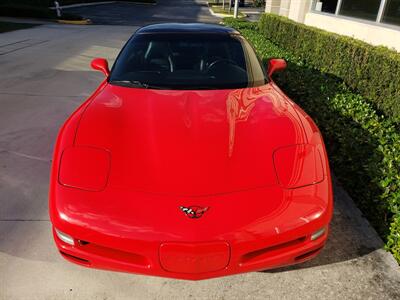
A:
x: 189, y: 162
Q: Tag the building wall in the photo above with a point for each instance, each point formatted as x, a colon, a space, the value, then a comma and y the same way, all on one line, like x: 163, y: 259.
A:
x: 285, y: 7
x: 366, y: 31
x: 272, y: 6
x: 300, y: 11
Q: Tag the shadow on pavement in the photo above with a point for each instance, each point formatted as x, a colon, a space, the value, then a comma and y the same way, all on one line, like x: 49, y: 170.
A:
x: 350, y: 235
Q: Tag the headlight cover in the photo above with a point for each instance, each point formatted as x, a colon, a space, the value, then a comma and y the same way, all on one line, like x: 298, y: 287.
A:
x: 298, y: 165
x: 85, y: 168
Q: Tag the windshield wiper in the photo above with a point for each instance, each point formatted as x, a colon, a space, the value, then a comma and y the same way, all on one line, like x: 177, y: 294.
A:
x: 131, y: 83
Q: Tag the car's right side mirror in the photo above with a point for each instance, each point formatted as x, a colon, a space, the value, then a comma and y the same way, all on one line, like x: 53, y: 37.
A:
x: 101, y: 64
x: 276, y: 64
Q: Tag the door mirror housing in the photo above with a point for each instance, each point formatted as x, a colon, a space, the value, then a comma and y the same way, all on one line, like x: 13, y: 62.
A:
x: 276, y: 64
x: 101, y: 64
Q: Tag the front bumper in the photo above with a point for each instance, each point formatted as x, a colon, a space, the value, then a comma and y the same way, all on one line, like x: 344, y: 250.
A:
x: 158, y: 239
x: 193, y: 264
x: 137, y: 232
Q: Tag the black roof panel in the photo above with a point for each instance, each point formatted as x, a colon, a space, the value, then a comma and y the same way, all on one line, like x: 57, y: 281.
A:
x: 186, y: 28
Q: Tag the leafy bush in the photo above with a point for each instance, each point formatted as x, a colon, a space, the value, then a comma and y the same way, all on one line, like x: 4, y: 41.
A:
x: 26, y: 11
x: 31, y: 3
x: 68, y: 2
x: 47, y: 3
x: 258, y: 3
x: 373, y: 71
x: 363, y: 145
x: 5, y: 26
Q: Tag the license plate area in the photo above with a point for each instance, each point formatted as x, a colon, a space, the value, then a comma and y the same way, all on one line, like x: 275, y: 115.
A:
x: 194, y: 258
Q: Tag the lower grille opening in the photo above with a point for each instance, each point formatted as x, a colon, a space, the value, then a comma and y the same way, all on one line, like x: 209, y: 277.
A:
x: 308, y: 254
x: 75, y: 258
x: 82, y: 243
x: 114, y: 254
x: 269, y: 251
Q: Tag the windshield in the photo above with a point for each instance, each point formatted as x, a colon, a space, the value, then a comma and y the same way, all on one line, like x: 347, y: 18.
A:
x: 187, y: 61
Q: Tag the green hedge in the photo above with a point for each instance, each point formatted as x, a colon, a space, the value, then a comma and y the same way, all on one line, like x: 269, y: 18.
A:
x: 47, y: 3
x: 68, y: 2
x: 40, y: 8
x: 373, y: 71
x: 363, y: 144
x: 26, y: 11
x: 6, y: 26
x: 32, y: 3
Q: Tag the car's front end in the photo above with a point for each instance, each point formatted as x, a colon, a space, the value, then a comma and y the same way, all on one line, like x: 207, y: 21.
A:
x: 242, y: 209
x: 189, y: 183
x: 239, y: 232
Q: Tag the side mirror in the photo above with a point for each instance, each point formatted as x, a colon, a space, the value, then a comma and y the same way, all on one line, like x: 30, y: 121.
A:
x: 276, y: 64
x: 101, y: 64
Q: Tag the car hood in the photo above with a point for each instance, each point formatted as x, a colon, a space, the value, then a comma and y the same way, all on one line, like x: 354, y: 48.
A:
x: 192, y: 143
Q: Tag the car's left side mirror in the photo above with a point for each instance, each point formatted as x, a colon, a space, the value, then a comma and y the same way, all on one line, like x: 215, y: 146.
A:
x: 101, y: 64
x: 276, y: 64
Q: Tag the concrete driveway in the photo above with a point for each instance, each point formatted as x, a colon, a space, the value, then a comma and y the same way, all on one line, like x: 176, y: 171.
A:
x: 44, y: 77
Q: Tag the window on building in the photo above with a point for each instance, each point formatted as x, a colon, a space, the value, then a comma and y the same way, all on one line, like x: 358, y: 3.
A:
x: 363, y: 9
x: 328, y: 6
x: 391, y: 14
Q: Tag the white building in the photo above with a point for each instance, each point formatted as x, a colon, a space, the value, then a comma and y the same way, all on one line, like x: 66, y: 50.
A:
x: 373, y: 21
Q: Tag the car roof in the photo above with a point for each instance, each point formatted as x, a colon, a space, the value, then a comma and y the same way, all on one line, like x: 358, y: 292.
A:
x: 186, y: 28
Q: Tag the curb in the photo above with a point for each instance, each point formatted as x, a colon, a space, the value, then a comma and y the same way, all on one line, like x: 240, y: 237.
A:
x: 225, y: 15
x: 71, y: 22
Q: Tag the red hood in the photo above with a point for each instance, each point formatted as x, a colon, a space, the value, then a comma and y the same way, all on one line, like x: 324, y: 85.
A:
x: 190, y: 142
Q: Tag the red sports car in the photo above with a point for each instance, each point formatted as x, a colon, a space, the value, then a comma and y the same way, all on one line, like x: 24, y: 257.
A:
x: 189, y: 162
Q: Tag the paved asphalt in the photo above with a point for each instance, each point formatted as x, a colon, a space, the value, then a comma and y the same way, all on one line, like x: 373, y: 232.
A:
x: 44, y: 76
x: 123, y: 13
